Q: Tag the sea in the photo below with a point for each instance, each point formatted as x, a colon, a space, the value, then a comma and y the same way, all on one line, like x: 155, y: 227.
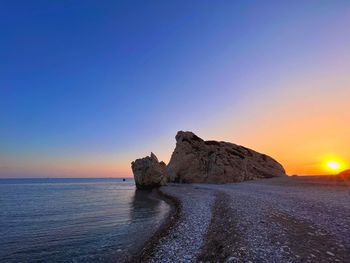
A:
x: 75, y: 219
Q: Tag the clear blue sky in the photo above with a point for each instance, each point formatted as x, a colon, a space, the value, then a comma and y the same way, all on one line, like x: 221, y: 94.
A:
x: 87, y: 86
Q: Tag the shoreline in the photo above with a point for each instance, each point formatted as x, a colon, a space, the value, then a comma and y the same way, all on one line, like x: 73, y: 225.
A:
x: 261, y: 220
x: 145, y: 253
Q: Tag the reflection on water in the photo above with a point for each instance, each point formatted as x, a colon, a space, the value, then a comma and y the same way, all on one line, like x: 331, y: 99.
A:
x: 143, y: 203
x: 73, y: 220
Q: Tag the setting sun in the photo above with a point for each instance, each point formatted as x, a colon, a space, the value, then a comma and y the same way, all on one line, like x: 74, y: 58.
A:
x: 333, y: 165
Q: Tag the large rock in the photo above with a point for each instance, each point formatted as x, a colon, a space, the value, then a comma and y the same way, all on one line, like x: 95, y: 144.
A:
x: 197, y: 161
x: 149, y: 172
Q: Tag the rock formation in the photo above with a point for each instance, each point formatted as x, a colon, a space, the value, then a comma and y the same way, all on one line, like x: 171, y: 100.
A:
x: 149, y: 172
x: 197, y: 161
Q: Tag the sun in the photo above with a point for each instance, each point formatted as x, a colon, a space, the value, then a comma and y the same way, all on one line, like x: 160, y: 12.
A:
x: 333, y: 165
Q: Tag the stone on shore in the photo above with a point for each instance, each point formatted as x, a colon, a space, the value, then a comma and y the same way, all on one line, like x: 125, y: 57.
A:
x: 149, y: 172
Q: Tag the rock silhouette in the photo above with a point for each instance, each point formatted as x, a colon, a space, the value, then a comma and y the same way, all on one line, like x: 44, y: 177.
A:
x: 197, y: 161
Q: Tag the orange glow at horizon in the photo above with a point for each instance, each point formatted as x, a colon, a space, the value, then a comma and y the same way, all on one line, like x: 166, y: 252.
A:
x: 334, y: 165
x: 86, y: 166
x: 302, y: 123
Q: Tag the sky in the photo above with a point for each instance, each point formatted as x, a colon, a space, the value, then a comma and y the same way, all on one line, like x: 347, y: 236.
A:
x: 86, y: 87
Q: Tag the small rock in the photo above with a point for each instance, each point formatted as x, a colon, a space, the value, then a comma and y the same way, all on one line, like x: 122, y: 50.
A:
x: 330, y: 253
x: 232, y: 259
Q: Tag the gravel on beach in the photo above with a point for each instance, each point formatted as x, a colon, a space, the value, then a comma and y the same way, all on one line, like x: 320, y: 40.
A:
x: 291, y: 219
x: 185, y: 238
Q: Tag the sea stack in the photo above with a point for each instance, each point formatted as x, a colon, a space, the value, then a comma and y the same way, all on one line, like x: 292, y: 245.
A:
x: 197, y: 161
x: 149, y: 172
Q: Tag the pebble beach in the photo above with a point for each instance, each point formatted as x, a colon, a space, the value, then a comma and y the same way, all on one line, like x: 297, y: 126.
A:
x: 289, y: 219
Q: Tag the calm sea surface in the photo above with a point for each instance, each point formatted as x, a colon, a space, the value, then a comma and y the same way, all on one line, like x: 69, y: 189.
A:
x: 74, y: 220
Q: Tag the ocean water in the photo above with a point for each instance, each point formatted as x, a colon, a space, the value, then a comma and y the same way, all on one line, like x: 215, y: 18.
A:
x: 74, y: 220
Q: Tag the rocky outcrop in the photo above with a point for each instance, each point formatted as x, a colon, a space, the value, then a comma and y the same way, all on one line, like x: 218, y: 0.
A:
x: 345, y: 174
x: 149, y: 172
x: 197, y: 161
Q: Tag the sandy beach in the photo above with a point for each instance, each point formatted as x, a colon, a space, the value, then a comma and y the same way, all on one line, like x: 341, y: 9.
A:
x: 291, y: 219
